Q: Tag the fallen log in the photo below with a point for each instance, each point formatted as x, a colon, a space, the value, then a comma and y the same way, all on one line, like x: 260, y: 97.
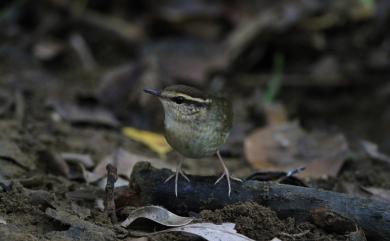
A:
x: 304, y: 204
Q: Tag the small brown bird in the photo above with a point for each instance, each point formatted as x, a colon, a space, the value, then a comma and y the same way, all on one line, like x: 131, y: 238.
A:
x: 196, y: 125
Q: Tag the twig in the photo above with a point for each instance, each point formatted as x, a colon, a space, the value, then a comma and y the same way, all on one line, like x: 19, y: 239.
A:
x: 109, y: 202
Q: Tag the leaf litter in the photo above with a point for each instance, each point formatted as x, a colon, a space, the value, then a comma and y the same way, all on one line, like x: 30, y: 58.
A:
x: 253, y: 31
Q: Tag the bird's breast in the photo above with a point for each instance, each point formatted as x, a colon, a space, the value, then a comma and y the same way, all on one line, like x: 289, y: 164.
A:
x: 196, y: 138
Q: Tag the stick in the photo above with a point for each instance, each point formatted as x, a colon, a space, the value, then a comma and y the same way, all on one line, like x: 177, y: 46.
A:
x: 109, y: 203
x: 304, y: 204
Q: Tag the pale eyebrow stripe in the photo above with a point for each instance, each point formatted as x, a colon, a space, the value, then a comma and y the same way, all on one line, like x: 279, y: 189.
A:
x: 199, y: 100
x: 189, y: 98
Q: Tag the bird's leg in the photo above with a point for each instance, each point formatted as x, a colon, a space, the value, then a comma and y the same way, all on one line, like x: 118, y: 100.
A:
x: 178, y: 171
x: 225, y: 173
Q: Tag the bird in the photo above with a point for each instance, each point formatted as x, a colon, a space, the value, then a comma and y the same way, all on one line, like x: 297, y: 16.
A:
x: 196, y: 125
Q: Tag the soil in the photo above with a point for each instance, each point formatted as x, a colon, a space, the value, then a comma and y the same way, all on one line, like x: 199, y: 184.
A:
x: 259, y: 223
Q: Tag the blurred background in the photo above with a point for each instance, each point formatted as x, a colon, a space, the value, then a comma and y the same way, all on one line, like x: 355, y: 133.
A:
x: 72, y: 70
x: 326, y: 62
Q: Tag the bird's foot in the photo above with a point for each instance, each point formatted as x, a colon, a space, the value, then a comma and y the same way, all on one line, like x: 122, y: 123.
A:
x: 176, y: 174
x: 179, y: 170
x: 228, y: 178
x: 225, y: 174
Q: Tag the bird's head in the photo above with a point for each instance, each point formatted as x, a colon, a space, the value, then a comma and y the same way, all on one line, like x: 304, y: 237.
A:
x: 182, y: 102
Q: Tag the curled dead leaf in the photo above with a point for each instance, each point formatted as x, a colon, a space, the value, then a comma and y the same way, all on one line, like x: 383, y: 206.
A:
x: 157, y: 214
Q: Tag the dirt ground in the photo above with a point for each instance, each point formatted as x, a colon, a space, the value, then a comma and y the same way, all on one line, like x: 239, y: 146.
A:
x: 72, y: 75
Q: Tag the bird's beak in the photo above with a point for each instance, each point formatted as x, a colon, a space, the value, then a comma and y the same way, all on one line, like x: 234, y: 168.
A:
x: 153, y: 92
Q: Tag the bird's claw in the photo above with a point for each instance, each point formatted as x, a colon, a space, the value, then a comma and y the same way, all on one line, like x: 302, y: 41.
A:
x: 228, y: 178
x: 179, y: 170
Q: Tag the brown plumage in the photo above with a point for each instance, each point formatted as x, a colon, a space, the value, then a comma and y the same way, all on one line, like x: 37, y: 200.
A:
x: 196, y: 124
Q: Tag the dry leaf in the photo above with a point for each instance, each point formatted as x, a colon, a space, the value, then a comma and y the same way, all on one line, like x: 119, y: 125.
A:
x: 272, y: 145
x: 154, y: 141
x: 124, y: 161
x: 288, y: 146
x: 211, y: 232
x: 157, y: 214
x: 84, y: 159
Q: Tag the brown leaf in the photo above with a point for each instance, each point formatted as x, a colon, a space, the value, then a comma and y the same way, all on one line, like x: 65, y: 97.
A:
x: 273, y: 145
x: 287, y: 146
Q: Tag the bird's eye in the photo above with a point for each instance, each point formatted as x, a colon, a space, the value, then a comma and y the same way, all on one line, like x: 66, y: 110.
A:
x: 178, y: 99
